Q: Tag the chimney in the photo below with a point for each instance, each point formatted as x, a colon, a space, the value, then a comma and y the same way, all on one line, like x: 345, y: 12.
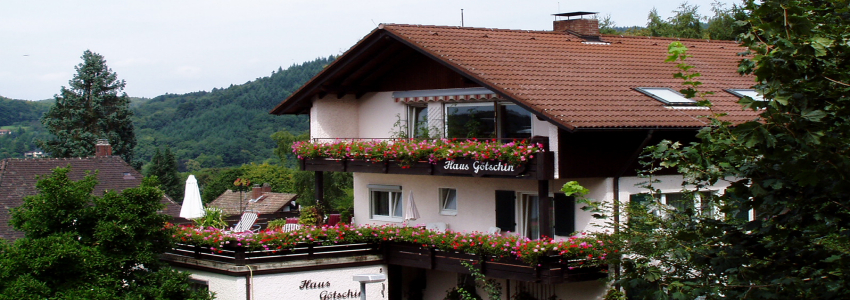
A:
x: 256, y: 192
x: 102, y: 148
x: 582, y: 27
x: 267, y: 188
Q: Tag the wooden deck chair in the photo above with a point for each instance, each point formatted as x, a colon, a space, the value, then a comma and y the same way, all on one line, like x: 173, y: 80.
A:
x: 246, y: 222
x: 291, y: 227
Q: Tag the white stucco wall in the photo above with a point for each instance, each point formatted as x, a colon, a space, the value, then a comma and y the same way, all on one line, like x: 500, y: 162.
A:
x: 319, y: 285
x: 377, y: 114
x: 225, y: 287
x: 476, y: 197
x: 334, y: 118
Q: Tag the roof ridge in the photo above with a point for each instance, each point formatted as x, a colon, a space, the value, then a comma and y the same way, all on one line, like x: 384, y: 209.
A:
x: 553, y: 32
x: 471, y: 28
x: 641, y: 37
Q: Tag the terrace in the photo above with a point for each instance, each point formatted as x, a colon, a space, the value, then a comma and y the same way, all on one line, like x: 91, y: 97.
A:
x: 502, y: 257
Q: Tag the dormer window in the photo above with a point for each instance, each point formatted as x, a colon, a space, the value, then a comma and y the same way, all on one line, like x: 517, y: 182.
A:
x: 741, y: 93
x: 667, y: 96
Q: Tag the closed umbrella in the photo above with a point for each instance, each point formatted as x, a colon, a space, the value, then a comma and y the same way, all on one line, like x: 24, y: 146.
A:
x: 192, y: 208
x: 411, y: 213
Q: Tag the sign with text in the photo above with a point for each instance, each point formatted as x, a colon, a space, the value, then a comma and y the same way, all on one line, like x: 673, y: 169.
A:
x: 479, y: 167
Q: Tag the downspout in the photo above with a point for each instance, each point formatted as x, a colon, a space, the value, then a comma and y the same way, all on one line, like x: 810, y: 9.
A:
x: 248, y: 279
x: 619, y: 174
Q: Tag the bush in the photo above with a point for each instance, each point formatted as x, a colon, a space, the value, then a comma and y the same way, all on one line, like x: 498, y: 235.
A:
x: 309, y: 216
x: 275, y: 224
x: 213, y: 217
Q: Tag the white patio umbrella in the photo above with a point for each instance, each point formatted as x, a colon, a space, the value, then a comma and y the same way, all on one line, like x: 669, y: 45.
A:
x: 192, y: 205
x: 411, y: 213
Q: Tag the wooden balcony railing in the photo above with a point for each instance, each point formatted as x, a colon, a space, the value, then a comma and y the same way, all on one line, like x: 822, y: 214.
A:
x: 541, y: 167
x: 550, y: 270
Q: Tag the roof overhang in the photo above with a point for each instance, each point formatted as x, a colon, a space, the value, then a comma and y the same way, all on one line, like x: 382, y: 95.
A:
x: 368, y: 58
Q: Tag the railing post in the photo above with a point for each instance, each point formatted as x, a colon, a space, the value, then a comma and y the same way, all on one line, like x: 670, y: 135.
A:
x: 320, y: 188
x: 239, y: 256
x: 544, y: 208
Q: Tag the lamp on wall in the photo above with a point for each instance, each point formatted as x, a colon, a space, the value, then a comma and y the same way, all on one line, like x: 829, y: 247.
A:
x: 368, y: 278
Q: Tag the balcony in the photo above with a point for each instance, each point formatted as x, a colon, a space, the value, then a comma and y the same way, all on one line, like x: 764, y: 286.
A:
x: 523, y: 159
x: 578, y: 258
x: 314, y: 256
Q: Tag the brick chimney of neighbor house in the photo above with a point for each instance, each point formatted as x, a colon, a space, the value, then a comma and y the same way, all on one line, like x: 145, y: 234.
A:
x: 267, y: 188
x: 102, y: 148
x: 582, y: 27
x: 256, y: 191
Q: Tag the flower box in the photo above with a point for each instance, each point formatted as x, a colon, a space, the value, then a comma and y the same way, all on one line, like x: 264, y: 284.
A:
x: 417, y: 168
x: 323, y: 164
x: 364, y: 166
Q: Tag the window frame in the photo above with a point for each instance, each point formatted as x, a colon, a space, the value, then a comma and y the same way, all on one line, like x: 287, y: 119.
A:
x: 741, y: 93
x: 648, y: 91
x: 443, y: 201
x: 412, y: 125
x: 394, y: 202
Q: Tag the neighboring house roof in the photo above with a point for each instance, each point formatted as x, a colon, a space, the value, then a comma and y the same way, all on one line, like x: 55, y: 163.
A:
x: 19, y: 176
x: 268, y: 203
x: 557, y: 76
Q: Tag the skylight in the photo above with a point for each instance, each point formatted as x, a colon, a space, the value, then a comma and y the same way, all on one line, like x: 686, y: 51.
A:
x: 666, y: 95
x: 746, y: 93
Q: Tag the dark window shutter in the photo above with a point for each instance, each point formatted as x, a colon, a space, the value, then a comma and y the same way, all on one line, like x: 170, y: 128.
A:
x: 565, y: 214
x: 506, y: 210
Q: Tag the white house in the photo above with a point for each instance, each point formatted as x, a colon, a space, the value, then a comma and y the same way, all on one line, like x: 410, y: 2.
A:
x: 594, y: 101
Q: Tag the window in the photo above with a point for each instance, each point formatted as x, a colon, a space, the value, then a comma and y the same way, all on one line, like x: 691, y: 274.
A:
x: 514, y: 121
x: 448, y: 202
x: 530, y: 216
x: 524, y: 216
x: 746, y: 93
x: 418, y: 121
x: 689, y: 203
x: 197, y: 285
x: 666, y: 95
x: 487, y: 120
x: 385, y: 202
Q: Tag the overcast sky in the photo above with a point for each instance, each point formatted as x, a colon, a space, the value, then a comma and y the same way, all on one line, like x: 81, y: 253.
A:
x: 180, y: 46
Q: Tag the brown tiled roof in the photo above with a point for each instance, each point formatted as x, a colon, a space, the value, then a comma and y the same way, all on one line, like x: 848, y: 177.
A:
x: 18, y: 178
x: 269, y: 202
x: 560, y: 78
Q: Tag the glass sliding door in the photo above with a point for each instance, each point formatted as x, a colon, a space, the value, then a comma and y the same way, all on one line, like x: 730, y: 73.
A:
x: 514, y: 122
x: 471, y: 120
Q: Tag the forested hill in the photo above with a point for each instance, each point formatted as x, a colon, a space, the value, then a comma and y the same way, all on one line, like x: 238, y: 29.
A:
x: 19, y: 111
x: 224, y: 127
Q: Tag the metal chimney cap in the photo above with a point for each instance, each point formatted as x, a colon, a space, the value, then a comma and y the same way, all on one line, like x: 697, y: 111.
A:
x: 575, y: 13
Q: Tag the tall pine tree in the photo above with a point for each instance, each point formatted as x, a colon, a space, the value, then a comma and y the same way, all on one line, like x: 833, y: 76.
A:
x: 164, y: 167
x: 93, y: 107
